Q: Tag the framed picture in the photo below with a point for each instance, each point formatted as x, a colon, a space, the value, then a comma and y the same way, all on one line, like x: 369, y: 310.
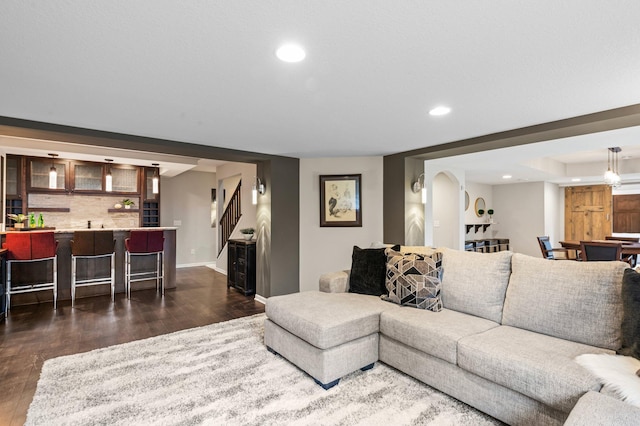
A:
x: 340, y: 201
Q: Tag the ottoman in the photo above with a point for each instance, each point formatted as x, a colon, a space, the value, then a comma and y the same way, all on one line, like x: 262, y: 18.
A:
x: 327, y: 335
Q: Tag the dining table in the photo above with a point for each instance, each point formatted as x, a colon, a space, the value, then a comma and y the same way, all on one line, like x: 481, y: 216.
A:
x: 628, y: 247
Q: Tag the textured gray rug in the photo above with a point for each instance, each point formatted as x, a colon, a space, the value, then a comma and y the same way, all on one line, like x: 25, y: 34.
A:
x: 222, y: 374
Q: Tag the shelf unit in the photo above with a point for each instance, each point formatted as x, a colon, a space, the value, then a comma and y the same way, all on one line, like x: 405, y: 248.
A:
x: 477, y: 226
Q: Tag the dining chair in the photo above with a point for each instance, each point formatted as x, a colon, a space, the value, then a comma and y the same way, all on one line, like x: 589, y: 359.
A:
x: 632, y: 259
x: 600, y: 250
x: 548, y: 252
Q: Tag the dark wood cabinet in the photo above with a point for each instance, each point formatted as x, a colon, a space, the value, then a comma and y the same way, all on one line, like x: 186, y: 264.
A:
x: 241, y: 271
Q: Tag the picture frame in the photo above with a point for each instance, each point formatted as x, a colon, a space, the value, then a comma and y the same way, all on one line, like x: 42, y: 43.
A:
x: 340, y: 200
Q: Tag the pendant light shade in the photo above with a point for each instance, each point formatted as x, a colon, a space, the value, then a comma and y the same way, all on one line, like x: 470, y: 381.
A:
x: 108, y: 180
x: 155, y: 182
x: 53, y: 173
x: 612, y: 175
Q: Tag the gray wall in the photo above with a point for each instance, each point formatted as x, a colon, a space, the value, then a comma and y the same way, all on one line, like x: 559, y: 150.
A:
x: 187, y: 198
x: 329, y: 249
x: 278, y: 226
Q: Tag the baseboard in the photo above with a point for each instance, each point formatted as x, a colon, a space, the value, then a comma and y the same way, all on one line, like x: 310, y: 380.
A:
x: 222, y: 271
x: 260, y: 299
x: 189, y: 265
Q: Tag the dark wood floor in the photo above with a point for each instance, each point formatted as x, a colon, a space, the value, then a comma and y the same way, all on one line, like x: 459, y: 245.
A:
x: 33, y: 334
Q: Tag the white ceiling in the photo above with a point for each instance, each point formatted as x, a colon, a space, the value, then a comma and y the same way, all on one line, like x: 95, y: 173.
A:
x: 205, y: 72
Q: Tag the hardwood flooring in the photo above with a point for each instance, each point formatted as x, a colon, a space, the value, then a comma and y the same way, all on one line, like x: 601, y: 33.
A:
x: 33, y: 334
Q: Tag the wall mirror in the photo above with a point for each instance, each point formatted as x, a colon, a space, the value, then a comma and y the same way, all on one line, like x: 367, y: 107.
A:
x: 480, y: 206
x: 466, y: 201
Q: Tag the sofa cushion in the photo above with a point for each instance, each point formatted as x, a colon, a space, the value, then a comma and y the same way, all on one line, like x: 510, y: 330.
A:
x: 577, y: 301
x: 368, y: 271
x: 538, y: 366
x: 630, y: 338
x: 326, y: 320
x: 475, y: 283
x: 414, y: 279
x: 596, y: 409
x: 435, y: 333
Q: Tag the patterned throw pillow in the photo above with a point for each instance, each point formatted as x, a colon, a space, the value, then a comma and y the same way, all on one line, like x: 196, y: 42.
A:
x: 414, y: 279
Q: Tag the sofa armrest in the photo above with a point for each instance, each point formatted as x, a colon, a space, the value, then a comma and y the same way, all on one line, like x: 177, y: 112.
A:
x: 335, y: 282
x: 598, y: 409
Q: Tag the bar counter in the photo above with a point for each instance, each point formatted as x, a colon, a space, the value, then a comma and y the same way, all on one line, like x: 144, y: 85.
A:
x: 97, y: 266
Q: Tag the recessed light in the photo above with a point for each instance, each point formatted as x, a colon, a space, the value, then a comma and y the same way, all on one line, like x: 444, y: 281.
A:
x: 576, y: 180
x: 290, y: 53
x: 506, y: 176
x: 440, y: 110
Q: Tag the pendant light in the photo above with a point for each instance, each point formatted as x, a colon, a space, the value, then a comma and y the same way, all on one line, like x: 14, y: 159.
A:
x: 108, y: 180
x: 612, y: 175
x: 53, y: 173
x: 156, y: 179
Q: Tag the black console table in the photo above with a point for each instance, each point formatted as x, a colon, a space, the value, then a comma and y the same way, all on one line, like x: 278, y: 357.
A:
x: 241, y: 266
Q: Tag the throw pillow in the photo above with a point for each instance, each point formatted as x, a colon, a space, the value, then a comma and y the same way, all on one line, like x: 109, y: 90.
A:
x: 368, y: 271
x: 616, y: 373
x: 630, y: 314
x: 414, y: 279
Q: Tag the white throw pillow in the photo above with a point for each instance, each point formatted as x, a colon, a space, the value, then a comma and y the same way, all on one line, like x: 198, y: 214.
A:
x: 616, y: 372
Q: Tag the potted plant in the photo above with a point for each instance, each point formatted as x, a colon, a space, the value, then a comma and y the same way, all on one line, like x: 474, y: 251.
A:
x: 480, y: 212
x: 247, y: 233
x: 128, y: 203
x: 490, y: 213
x: 18, y: 219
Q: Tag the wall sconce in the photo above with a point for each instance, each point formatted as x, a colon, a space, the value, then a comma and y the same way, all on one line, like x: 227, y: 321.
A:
x: 108, y: 179
x: 258, y: 187
x: 53, y: 173
x: 155, y: 182
x: 418, y: 186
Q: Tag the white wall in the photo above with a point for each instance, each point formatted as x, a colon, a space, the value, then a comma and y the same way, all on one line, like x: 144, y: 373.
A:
x: 187, y: 198
x: 475, y: 191
x: 554, y: 213
x: 446, y: 211
x: 329, y: 249
x: 246, y: 172
x: 520, y: 211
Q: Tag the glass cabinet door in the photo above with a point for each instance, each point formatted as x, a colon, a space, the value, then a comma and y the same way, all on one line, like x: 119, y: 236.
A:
x: 39, y: 174
x: 87, y: 177
x: 125, y: 179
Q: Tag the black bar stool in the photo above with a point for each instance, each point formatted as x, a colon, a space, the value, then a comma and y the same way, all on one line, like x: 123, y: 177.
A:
x: 88, y: 245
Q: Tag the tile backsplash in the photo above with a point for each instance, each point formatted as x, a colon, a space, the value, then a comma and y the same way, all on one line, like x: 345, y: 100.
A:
x: 84, y: 208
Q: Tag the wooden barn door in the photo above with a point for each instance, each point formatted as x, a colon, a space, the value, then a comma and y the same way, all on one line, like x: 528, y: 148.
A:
x: 587, y: 212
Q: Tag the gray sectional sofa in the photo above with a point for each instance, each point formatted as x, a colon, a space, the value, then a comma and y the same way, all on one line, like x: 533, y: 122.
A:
x: 504, y: 343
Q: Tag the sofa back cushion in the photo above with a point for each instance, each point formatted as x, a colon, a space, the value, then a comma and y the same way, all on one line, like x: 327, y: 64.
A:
x: 475, y: 283
x: 577, y: 301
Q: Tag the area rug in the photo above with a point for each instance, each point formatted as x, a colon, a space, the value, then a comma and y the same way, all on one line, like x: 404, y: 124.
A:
x: 222, y: 374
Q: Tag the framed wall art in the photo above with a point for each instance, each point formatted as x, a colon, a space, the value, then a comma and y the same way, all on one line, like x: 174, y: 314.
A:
x: 340, y: 200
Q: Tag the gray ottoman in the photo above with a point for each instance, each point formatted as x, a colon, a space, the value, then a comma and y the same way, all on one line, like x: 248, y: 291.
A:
x: 327, y: 335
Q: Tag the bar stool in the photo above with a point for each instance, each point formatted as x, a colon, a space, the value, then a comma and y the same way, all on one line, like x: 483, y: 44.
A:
x: 29, y: 247
x: 469, y: 246
x: 503, y: 244
x: 144, y: 243
x: 88, y: 245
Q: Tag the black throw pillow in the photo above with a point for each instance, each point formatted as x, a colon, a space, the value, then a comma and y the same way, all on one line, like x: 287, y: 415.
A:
x: 630, y: 314
x: 368, y: 268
